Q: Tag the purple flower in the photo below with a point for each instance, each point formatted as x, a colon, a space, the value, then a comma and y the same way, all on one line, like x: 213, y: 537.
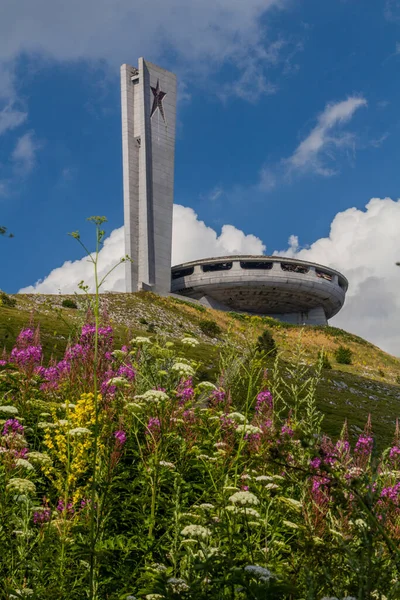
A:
x: 12, y: 426
x: 120, y: 436
x: 364, y: 445
x: 264, y: 399
x: 42, y: 516
x: 185, y: 391
x: 286, y: 430
x: 26, y: 336
x: 127, y: 372
x: 394, y: 453
x: 392, y: 493
x: 3, y: 363
x: 218, y: 396
x: 61, y: 507
x: 153, y: 425
x: 76, y: 351
x: 315, y: 463
x: 26, y: 356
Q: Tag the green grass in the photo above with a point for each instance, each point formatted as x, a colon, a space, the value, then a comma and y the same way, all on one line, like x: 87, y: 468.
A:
x: 369, y: 386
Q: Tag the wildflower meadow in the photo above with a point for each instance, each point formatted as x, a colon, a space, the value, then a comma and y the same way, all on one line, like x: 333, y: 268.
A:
x: 125, y: 475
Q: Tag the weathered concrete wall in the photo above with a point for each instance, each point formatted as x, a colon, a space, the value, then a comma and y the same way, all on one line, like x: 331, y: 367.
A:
x: 148, y: 99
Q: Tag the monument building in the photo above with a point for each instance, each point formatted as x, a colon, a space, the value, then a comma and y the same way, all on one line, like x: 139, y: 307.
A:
x: 288, y: 289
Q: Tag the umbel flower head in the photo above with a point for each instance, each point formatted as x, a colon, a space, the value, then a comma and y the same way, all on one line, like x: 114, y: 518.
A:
x: 22, y: 486
x: 190, y: 341
x: 244, y: 498
x: 183, y: 369
x: 196, y: 531
x: 153, y: 396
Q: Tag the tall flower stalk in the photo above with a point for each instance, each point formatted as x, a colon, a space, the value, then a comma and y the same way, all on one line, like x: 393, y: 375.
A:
x: 95, y: 304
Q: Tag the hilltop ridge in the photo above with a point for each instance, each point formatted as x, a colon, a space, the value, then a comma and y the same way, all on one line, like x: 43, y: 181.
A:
x: 370, y: 385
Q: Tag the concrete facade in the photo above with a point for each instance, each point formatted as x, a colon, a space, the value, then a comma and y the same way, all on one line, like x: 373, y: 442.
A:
x: 148, y: 103
x: 287, y: 289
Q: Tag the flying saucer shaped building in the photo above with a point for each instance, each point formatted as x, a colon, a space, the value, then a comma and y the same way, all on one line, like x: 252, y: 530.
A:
x: 285, y: 288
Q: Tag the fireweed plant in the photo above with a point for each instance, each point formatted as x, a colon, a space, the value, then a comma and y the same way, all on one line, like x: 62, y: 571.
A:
x: 123, y: 476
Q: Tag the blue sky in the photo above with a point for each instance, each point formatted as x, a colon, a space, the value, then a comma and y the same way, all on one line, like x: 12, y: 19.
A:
x: 259, y: 84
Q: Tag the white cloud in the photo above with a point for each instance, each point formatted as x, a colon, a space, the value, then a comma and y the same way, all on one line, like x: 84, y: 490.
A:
x: 24, y: 153
x: 364, y: 246
x: 191, y: 239
x: 310, y: 153
x: 200, y: 33
x: 11, y: 114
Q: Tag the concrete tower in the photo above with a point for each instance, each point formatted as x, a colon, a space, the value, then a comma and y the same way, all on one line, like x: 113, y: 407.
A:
x: 148, y: 99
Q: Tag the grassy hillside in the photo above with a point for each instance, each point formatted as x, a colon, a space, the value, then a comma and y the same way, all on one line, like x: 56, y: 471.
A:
x: 369, y: 385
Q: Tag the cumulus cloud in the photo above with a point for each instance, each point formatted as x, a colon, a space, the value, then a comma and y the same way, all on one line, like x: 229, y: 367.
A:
x: 192, y: 239
x: 364, y: 245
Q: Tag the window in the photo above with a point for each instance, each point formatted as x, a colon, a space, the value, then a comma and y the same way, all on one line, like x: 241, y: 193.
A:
x: 323, y: 275
x: 182, y: 272
x: 293, y: 268
x: 256, y: 264
x: 343, y: 284
x: 223, y: 266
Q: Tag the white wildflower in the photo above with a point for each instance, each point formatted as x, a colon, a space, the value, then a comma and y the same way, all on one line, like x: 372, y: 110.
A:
x: 247, y: 428
x: 237, y: 417
x: 220, y: 445
x: 140, y: 341
x: 153, y: 596
x: 25, y: 464
x: 183, y: 369
x: 207, y: 458
x: 290, y: 524
x: 79, y: 431
x: 23, y: 486
x: 251, y: 512
x: 244, y: 498
x: 260, y: 573
x: 206, y: 385
x: 62, y: 423
x: 153, y: 396
x: 168, y: 465
x: 66, y: 405
x: 264, y: 478
x: 271, y: 486
x: 206, y: 506
x: 9, y: 410
x: 196, y: 531
x: 190, y: 341
x: 177, y: 585
x: 44, y: 425
x: 159, y: 567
